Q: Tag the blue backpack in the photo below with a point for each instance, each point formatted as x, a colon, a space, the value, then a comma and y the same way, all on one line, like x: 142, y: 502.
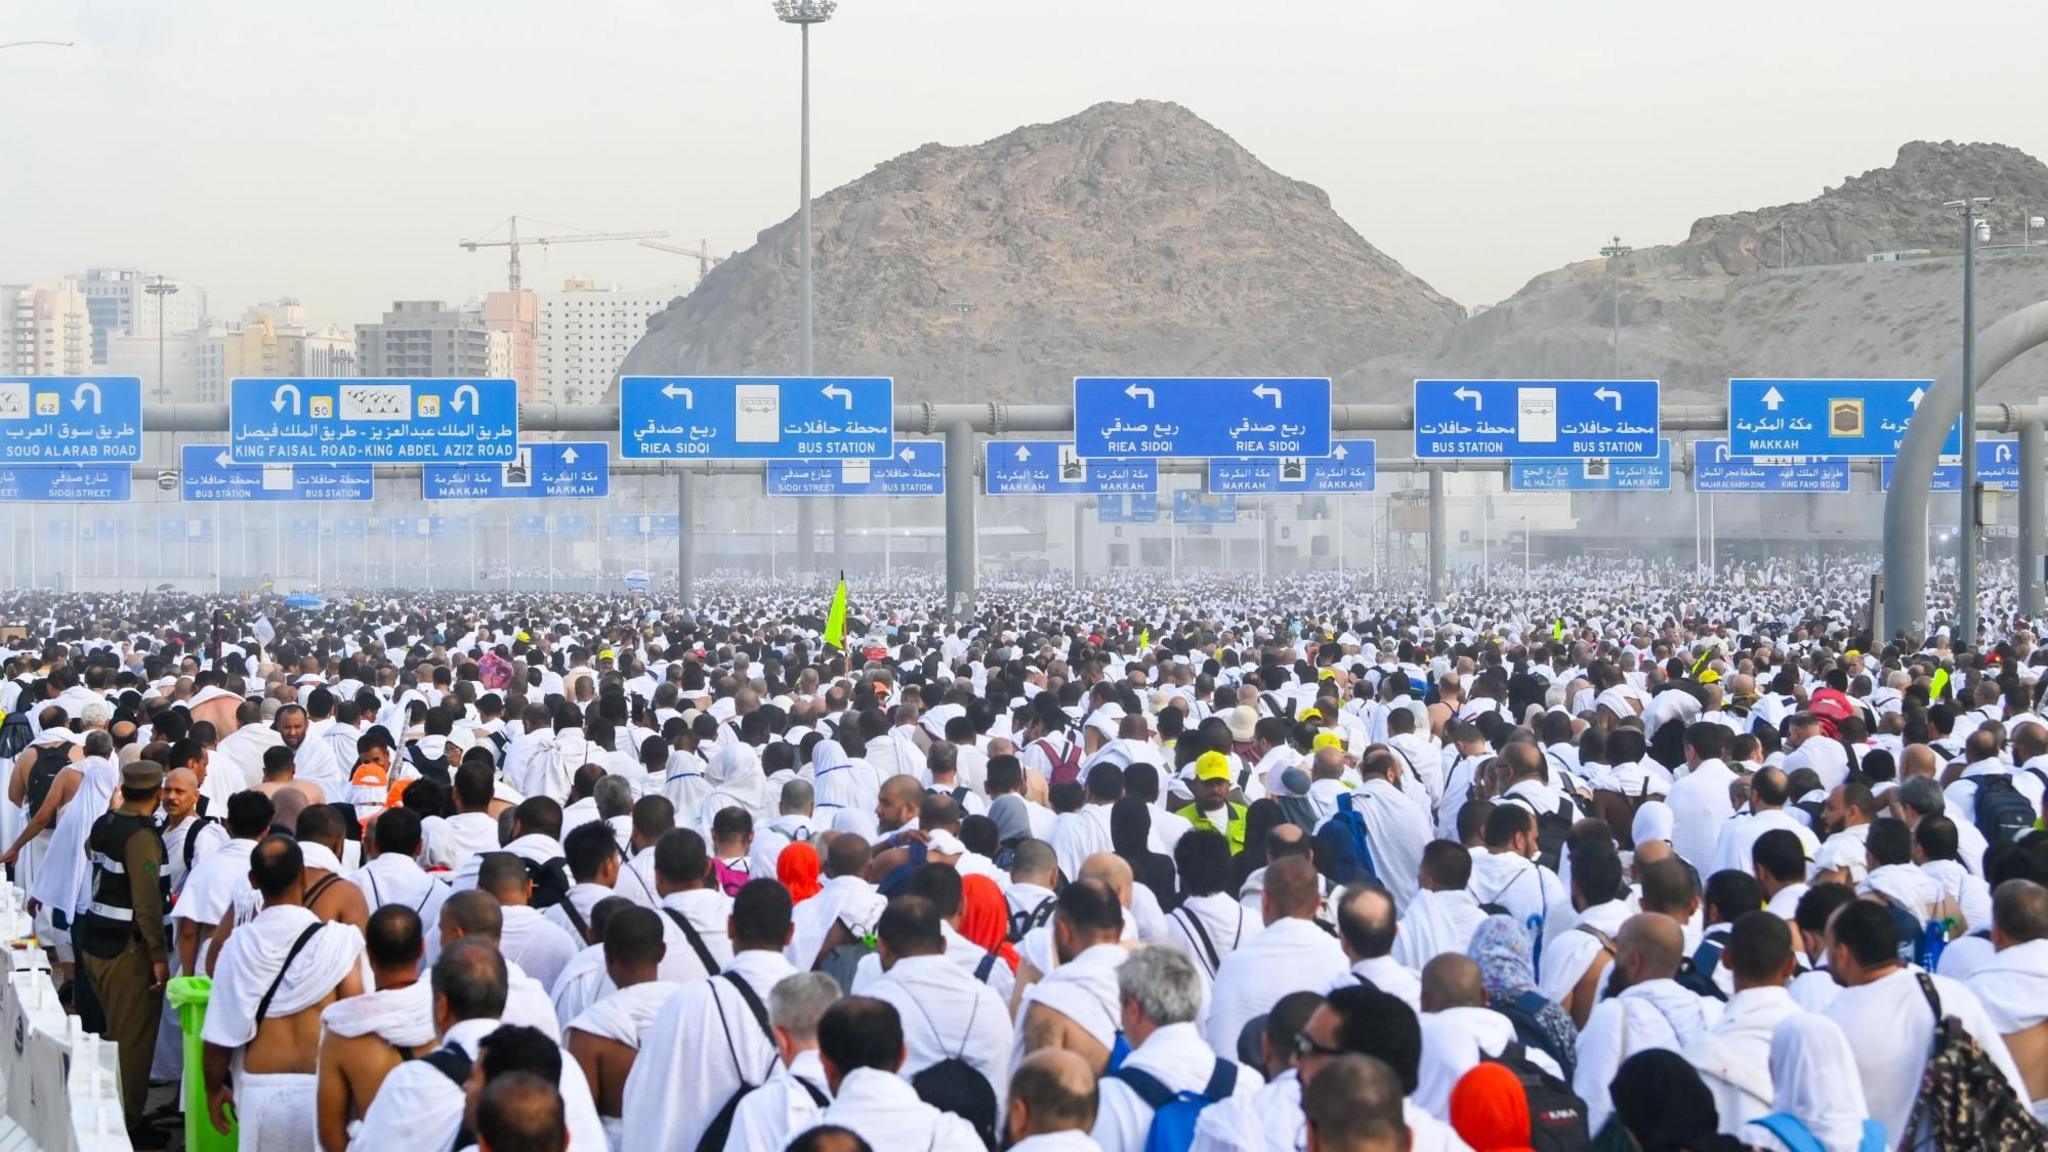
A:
x: 1791, y: 1131
x: 1342, y: 847
x: 1174, y: 1113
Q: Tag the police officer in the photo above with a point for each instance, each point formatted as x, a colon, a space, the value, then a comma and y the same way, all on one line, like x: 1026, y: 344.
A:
x: 120, y: 938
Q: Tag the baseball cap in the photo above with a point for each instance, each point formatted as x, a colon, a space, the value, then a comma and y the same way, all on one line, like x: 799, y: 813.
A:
x: 1212, y: 766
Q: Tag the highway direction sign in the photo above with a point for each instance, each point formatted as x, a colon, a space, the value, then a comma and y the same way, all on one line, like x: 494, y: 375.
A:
x: 1054, y: 468
x: 207, y: 473
x: 1595, y: 474
x: 64, y: 483
x: 70, y: 419
x: 543, y: 470
x: 1860, y: 418
x: 1192, y: 507
x: 372, y: 421
x: 918, y: 468
x: 640, y: 525
x: 1348, y: 468
x: 756, y: 417
x: 1716, y: 469
x: 1536, y: 419
x: 1125, y: 416
x: 1998, y: 469
x: 1136, y: 508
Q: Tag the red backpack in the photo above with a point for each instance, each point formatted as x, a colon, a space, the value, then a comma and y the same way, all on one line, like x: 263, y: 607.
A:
x: 1066, y: 765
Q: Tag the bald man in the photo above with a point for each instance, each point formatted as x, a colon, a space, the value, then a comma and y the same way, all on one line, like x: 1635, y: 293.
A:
x: 1036, y: 953
x: 1645, y: 1008
x: 189, y: 836
x: 1293, y: 954
x: 1459, y: 1030
x: 1052, y: 1104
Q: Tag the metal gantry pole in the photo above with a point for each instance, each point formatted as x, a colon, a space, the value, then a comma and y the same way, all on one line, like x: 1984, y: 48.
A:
x: 1080, y: 516
x: 2033, y: 528
x: 806, y: 559
x: 960, y: 527
x: 686, y: 543
x: 1439, y: 546
x: 1966, y: 528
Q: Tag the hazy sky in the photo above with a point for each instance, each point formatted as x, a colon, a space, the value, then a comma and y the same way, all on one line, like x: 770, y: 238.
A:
x: 335, y: 150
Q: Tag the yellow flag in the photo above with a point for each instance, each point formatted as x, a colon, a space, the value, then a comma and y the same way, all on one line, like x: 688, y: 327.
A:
x: 835, y: 621
x: 1939, y: 686
x: 1699, y: 666
x: 1557, y: 629
x: 1144, y: 639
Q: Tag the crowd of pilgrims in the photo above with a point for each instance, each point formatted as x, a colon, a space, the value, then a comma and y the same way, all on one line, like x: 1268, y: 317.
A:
x: 1622, y: 861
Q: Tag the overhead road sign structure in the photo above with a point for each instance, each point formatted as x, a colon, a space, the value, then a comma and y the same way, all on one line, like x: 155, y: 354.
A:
x: 1348, y: 468
x: 1998, y: 469
x: 372, y: 421
x: 1192, y: 507
x: 543, y: 470
x: 1594, y: 474
x: 1124, y: 416
x: 626, y: 525
x: 1136, y: 508
x: 756, y: 417
x: 1056, y: 468
x: 207, y: 473
x: 918, y: 468
x: 1859, y: 418
x: 1536, y: 419
x: 64, y: 484
x: 1716, y: 469
x: 70, y: 419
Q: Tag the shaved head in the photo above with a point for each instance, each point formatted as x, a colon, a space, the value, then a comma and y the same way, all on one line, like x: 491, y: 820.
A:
x: 1112, y: 870
x: 1648, y: 947
x: 1451, y: 981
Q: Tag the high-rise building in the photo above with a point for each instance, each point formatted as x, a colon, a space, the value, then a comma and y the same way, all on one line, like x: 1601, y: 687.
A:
x: 47, y: 330
x: 424, y: 338
x: 120, y: 302
x: 585, y: 333
x: 514, y: 314
x: 194, y: 365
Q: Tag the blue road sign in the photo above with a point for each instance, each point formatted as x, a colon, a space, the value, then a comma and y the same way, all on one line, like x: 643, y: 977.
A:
x: 1716, y: 469
x: 1593, y: 474
x: 1124, y: 416
x: 1054, y: 468
x: 533, y: 527
x: 208, y: 473
x: 70, y: 419
x: 64, y: 483
x: 372, y: 421
x: 756, y: 417
x: 1193, y: 507
x: 305, y: 527
x: 351, y: 527
x: 185, y: 529
x: 543, y: 470
x: 1536, y: 419
x: 1348, y: 468
x: 1860, y: 418
x: 640, y: 525
x: 573, y: 527
x: 1112, y: 510
x: 917, y: 469
x: 1998, y: 469
x: 1143, y: 507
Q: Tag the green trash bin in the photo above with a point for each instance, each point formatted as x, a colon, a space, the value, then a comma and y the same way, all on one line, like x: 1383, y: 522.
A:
x: 189, y: 994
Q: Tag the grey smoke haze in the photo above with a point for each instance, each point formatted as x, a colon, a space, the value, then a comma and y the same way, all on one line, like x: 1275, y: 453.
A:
x: 336, y: 151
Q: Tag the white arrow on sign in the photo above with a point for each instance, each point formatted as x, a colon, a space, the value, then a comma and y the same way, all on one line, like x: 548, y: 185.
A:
x: 674, y: 390
x: 277, y: 398
x: 833, y: 391
x: 1608, y: 394
x: 1134, y: 391
x: 1268, y: 392
x: 1464, y: 393
x: 2002, y: 453
x: 1023, y: 453
x: 568, y: 455
x: 476, y: 402
x: 905, y: 455
x: 78, y: 397
x: 224, y: 460
x: 1721, y: 452
x: 1773, y: 398
x: 1339, y: 452
x: 1918, y: 395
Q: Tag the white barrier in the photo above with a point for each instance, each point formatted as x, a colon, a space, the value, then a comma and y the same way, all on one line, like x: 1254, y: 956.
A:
x: 61, y: 1083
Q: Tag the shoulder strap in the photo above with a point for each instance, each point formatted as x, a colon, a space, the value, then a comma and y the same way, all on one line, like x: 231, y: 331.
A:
x: 1928, y: 990
x: 987, y: 965
x: 298, y: 946
x: 816, y: 1093
x: 696, y: 941
x: 319, y: 886
x: 451, y: 1062
x: 1790, y: 1131
x: 191, y: 844
x: 753, y: 1000
x: 1606, y: 941
x: 1147, y: 1086
x: 1222, y: 1081
x: 1193, y: 922
x: 568, y: 907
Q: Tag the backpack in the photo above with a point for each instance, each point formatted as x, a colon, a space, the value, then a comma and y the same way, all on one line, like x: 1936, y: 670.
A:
x: 953, y: 1085
x: 1913, y: 947
x: 1174, y: 1113
x: 2003, y: 813
x: 1696, y: 972
x: 1552, y: 828
x: 1522, y: 1012
x: 714, y: 1138
x: 1964, y: 1100
x: 40, y: 779
x: 1342, y: 847
x: 1793, y: 1133
x: 843, y: 961
x: 15, y: 735
x: 1557, y: 1117
x: 550, y: 882
x: 435, y: 769
x: 1066, y: 763
x: 1021, y: 922
x: 191, y: 844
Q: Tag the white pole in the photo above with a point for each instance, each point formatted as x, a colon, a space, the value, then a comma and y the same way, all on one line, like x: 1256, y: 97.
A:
x: 508, y: 549
x: 1337, y: 518
x: 1485, y: 542
x: 888, y: 530
x: 74, y: 548
x: 550, y: 527
x: 216, y: 549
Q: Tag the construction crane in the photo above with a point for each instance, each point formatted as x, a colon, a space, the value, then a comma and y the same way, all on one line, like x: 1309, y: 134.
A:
x: 513, y: 240
x: 702, y: 252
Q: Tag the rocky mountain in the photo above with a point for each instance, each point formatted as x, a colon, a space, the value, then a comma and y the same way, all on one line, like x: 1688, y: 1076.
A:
x: 1129, y: 238
x: 1719, y: 303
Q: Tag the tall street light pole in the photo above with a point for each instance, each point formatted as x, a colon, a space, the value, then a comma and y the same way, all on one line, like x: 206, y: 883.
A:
x: 160, y: 288
x: 1614, y: 251
x: 1966, y: 539
x: 803, y: 14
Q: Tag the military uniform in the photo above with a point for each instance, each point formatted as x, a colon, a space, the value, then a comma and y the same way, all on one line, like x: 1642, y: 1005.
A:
x: 120, y: 938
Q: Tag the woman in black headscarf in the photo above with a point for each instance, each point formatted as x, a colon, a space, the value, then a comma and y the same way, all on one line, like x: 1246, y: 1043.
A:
x: 1130, y: 830
x: 1664, y: 1105
x: 1260, y: 818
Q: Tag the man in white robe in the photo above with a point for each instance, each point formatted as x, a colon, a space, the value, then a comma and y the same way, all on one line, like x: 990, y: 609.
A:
x: 605, y: 1037
x: 1293, y: 954
x: 1733, y: 1056
x: 796, y: 1095
x: 1442, y: 916
x: 860, y: 1046
x: 2013, y: 984
x: 1650, y: 1010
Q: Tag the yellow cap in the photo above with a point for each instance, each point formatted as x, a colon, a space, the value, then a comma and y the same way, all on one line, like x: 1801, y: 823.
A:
x: 1327, y: 674
x: 605, y: 655
x: 523, y: 637
x: 1311, y: 714
x: 1328, y: 740
x: 1212, y: 766
x: 1710, y: 677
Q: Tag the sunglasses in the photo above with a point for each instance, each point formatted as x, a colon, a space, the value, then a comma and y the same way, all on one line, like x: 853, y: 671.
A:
x: 1305, y: 1045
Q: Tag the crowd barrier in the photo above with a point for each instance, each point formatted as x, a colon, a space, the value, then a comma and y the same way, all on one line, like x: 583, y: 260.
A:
x: 61, y: 1083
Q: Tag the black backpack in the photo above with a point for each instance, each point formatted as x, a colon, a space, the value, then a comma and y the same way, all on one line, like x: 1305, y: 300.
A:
x: 953, y: 1085
x: 550, y: 882
x: 1696, y: 972
x: 15, y: 735
x: 41, y: 775
x: 435, y: 768
x: 714, y: 1138
x: 1529, y: 1033
x: 1021, y: 923
x: 1557, y: 1117
x: 1552, y: 828
x: 2003, y: 812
